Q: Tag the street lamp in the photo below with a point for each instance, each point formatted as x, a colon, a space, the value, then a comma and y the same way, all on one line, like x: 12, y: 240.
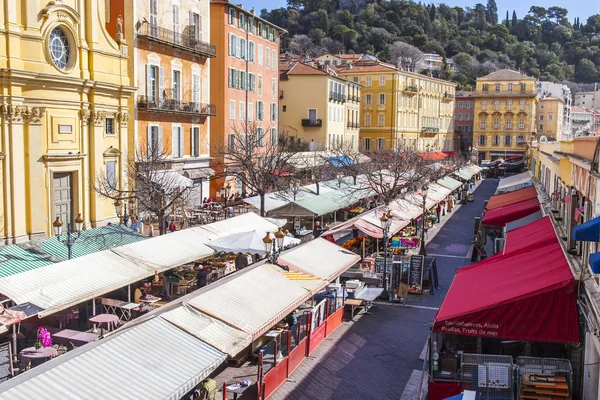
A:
x: 70, y: 240
x: 424, y: 190
x: 123, y: 219
x: 271, y: 250
x: 386, y: 223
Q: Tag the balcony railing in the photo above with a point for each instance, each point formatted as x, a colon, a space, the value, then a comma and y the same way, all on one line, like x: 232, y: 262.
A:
x: 411, y: 89
x: 448, y: 97
x: 281, y: 94
x: 355, y: 99
x: 429, y: 131
x: 176, y: 106
x: 337, y: 97
x: 353, y: 125
x: 312, y: 122
x: 184, y: 41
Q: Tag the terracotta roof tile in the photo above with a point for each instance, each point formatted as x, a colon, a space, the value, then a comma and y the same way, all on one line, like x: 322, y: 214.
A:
x: 303, y: 69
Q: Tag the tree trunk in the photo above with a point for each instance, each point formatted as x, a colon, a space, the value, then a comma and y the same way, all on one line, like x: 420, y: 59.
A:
x: 262, y: 204
x: 354, y: 178
x: 161, y: 225
x: 317, y: 183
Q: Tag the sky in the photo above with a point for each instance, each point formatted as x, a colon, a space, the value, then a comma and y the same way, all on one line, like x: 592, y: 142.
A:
x: 577, y: 8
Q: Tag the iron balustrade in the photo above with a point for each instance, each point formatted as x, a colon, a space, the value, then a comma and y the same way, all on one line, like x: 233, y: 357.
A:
x: 176, y: 106
x: 184, y: 41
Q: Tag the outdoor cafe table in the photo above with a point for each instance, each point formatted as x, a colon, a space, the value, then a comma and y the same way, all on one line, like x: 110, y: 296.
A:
x: 76, y: 338
x: 110, y: 320
x: 30, y: 354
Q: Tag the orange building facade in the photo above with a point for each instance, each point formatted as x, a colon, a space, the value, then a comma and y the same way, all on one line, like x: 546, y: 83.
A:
x: 244, y: 83
x: 170, y: 41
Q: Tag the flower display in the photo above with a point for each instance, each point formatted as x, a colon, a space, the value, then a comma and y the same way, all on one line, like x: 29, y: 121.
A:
x: 44, y: 338
x: 353, y: 243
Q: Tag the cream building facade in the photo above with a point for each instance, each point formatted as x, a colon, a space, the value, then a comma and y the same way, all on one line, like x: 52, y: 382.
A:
x: 64, y: 114
x: 401, y: 109
x: 318, y: 108
x: 549, y: 116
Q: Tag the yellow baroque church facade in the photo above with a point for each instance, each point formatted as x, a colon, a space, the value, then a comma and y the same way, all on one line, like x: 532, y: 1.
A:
x: 63, y: 114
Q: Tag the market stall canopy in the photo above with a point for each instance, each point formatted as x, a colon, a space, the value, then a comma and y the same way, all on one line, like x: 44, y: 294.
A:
x: 272, y: 201
x: 150, y: 360
x: 528, y: 296
x: 68, y: 283
x: 210, y: 330
x: 534, y: 235
x: 246, y: 242
x: 93, y: 240
x: 588, y: 231
x: 164, y: 252
x: 505, y: 199
x: 16, y: 260
x: 595, y: 263
x: 239, y: 223
x: 440, y: 189
x: 516, y: 224
x: 320, y: 258
x: 503, y: 215
x: 514, y: 182
x: 255, y: 299
x: 171, y: 181
x: 450, y: 183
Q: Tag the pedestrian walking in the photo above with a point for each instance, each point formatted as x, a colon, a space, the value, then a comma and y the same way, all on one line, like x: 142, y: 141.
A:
x: 438, y: 212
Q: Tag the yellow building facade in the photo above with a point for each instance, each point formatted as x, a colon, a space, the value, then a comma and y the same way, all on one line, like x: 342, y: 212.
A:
x: 549, y: 116
x: 318, y: 108
x: 401, y: 109
x: 505, y: 110
x: 64, y: 115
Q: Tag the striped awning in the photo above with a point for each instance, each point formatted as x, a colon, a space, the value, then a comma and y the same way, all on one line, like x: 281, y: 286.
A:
x: 151, y: 360
x: 93, y: 240
x: 15, y: 260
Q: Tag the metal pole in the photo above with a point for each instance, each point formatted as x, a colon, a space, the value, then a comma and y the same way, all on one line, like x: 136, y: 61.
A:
x: 385, y: 295
x: 423, y: 251
x: 69, y: 242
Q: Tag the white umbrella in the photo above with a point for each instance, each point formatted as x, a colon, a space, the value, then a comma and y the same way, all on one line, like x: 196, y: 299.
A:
x: 245, y: 242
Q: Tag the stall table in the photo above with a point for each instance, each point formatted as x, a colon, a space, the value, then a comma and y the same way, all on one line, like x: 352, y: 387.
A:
x: 111, y: 321
x: 353, y: 303
x: 368, y: 295
x: 31, y: 355
x: 76, y: 338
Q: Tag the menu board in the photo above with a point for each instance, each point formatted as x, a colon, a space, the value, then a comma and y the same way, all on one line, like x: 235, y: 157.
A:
x: 415, y: 274
x: 5, y: 362
x: 380, y: 262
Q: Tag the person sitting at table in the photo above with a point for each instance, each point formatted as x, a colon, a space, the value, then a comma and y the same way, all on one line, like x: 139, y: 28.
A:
x: 204, y: 201
x: 209, y: 200
x: 141, y: 310
x: 137, y: 294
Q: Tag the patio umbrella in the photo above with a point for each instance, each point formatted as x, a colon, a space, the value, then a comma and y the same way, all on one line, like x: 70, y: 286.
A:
x: 245, y: 242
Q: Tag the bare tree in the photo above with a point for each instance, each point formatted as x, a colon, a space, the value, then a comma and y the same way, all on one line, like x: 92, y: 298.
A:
x: 391, y: 173
x: 147, y: 180
x: 303, y: 45
x: 405, y: 56
x: 347, y: 160
x: 254, y: 159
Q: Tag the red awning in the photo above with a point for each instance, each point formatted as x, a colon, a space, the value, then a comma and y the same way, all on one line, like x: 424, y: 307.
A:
x: 503, y: 215
x: 527, y: 296
x: 449, y: 153
x: 505, y: 199
x: 278, y: 172
x: 531, y: 236
x: 432, y: 156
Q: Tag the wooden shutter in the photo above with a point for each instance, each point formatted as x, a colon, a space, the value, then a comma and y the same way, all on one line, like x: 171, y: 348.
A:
x: 149, y: 141
x: 181, y: 140
x: 161, y: 84
x: 148, y: 82
x: 159, y: 147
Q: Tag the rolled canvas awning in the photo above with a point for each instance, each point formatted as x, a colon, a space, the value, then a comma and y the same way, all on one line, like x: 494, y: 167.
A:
x: 529, y: 237
x: 503, y: 215
x: 514, y: 182
x: 528, y: 296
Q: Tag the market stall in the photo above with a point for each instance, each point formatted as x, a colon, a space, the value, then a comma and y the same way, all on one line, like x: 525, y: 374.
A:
x: 523, y: 302
x: 503, y: 215
x: 505, y: 199
x: 514, y: 182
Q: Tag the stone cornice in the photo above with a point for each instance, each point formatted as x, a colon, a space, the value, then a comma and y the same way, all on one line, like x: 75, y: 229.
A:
x: 26, y: 77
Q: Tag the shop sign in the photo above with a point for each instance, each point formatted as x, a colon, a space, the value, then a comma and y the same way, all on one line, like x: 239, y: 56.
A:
x: 415, y: 274
x: 395, y: 242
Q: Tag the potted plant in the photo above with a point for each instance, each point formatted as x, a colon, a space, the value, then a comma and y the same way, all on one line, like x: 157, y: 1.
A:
x: 44, y: 339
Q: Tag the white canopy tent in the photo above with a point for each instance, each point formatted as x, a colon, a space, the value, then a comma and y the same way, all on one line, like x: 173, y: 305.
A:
x: 320, y: 258
x: 246, y: 242
x: 514, y: 182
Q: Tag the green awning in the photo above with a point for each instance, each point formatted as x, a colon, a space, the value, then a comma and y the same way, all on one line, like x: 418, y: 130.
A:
x: 93, y: 240
x: 15, y: 260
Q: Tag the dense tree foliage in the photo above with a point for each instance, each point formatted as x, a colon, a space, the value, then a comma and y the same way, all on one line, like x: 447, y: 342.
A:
x: 543, y: 43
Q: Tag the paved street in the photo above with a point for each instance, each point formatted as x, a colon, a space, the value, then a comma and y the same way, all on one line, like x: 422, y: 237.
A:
x: 374, y: 357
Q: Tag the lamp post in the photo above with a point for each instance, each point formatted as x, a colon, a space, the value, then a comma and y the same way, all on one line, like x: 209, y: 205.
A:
x: 123, y: 219
x: 422, y: 250
x: 271, y: 250
x: 386, y: 223
x: 70, y: 240
x: 225, y: 193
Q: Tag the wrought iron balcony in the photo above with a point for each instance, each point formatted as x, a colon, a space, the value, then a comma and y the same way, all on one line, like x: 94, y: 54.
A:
x: 184, y: 41
x: 353, y: 125
x: 340, y: 98
x: 176, y: 106
x: 448, y: 97
x: 312, y: 122
x: 429, y: 131
x: 411, y: 90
